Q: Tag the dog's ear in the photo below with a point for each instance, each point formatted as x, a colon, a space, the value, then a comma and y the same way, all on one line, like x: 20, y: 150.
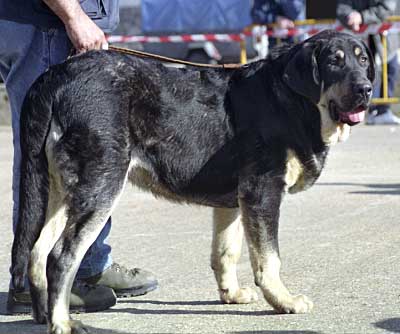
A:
x: 371, y: 69
x: 302, y: 74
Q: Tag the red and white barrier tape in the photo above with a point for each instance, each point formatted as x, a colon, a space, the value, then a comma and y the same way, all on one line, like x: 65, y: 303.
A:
x: 393, y: 27
x: 177, y: 38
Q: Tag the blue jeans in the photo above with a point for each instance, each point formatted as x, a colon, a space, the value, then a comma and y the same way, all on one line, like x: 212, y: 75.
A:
x: 25, y: 53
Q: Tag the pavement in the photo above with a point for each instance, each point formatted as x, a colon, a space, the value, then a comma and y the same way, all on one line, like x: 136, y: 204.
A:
x: 5, y: 113
x: 339, y: 242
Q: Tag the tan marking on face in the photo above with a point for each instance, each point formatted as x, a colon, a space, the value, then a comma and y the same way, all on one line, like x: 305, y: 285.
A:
x: 340, y: 54
x: 357, y: 51
x: 332, y: 132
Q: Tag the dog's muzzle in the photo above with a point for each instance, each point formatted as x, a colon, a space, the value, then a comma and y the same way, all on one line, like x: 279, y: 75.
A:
x: 353, y: 117
x: 356, y: 114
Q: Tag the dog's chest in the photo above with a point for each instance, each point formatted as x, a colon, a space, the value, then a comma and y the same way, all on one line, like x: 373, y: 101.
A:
x: 294, y: 175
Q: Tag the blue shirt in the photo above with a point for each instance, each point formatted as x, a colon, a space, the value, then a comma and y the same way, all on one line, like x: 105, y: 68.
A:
x: 105, y: 13
x: 266, y: 11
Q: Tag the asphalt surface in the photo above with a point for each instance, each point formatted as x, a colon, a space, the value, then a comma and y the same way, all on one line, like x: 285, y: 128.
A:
x: 340, y: 245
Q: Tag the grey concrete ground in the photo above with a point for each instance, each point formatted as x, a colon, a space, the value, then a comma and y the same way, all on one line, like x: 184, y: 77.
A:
x: 5, y: 114
x: 340, y: 245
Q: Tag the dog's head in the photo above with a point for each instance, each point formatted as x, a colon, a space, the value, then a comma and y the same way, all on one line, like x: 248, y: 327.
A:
x: 336, y: 71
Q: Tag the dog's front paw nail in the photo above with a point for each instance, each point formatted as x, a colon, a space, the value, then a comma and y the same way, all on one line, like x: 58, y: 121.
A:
x: 301, y: 304
x: 247, y: 295
x: 69, y: 327
x: 241, y: 296
x: 78, y: 328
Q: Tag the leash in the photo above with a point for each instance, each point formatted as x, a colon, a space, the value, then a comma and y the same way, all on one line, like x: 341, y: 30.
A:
x: 143, y: 54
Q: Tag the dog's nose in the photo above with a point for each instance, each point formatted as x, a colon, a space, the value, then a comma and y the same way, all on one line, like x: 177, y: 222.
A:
x: 364, y: 89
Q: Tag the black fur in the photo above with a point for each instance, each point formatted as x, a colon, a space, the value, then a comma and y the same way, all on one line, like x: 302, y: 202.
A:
x: 215, y: 137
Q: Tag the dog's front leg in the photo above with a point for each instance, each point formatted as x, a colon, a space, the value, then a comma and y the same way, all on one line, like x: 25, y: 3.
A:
x: 260, y: 199
x: 226, y: 249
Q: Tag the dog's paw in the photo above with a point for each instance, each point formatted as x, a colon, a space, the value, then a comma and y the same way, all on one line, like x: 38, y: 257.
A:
x: 69, y: 327
x: 39, y: 316
x: 39, y: 306
x: 297, y: 304
x: 240, y: 296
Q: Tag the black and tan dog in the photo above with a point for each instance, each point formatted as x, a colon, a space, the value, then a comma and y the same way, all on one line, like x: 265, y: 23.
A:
x: 235, y: 140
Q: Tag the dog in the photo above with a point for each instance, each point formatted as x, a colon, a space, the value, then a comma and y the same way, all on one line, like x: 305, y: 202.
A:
x: 236, y: 140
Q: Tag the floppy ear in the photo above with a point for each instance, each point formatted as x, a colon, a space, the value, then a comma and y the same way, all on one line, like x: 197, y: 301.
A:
x: 301, y: 73
x: 371, y: 69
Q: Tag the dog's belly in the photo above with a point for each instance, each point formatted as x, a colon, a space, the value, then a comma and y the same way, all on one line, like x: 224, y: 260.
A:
x: 142, y: 176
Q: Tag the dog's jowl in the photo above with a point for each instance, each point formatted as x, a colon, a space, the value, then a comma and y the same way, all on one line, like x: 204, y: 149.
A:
x: 234, y: 139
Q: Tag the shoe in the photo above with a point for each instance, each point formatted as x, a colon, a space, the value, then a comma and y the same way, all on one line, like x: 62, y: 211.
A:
x: 84, y: 298
x: 386, y: 118
x: 125, y: 282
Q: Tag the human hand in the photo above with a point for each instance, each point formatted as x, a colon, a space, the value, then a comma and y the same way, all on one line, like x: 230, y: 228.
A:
x: 284, y: 22
x: 84, y: 34
x: 354, y: 20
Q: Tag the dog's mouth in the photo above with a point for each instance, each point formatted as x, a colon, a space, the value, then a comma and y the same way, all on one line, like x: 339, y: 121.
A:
x: 352, y: 117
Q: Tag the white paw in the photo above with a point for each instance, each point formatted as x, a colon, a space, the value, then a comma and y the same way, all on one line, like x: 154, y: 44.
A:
x: 240, y: 296
x: 69, y: 327
x: 297, y: 304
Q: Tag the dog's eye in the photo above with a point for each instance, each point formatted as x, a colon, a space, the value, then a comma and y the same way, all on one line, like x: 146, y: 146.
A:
x: 363, y: 59
x: 337, y: 61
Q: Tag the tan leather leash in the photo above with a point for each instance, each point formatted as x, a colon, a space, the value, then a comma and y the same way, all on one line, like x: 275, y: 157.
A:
x: 143, y: 54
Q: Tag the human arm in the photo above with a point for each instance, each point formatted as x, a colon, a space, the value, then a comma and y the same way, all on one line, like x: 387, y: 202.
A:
x: 348, y: 15
x: 353, y: 18
x: 379, y: 12
x: 293, y: 9
x: 290, y: 11
x: 82, y: 31
x: 284, y: 23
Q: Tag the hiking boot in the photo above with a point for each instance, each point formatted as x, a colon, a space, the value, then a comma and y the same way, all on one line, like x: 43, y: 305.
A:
x: 84, y: 298
x: 125, y: 282
x: 382, y: 119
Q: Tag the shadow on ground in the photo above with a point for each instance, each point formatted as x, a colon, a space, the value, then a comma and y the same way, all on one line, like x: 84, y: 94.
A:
x: 372, y: 189
x: 391, y: 325
x: 28, y: 326
x: 177, y: 311
x: 277, y: 332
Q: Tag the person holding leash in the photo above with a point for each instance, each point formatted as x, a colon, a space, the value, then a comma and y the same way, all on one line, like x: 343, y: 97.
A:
x: 36, y: 35
x: 281, y: 12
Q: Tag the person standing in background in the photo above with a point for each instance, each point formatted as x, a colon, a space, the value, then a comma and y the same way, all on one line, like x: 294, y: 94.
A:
x: 281, y: 12
x: 352, y: 14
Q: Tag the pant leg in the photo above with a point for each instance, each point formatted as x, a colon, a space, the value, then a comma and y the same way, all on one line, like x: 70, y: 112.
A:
x: 25, y: 53
x: 20, y: 65
x: 393, y: 75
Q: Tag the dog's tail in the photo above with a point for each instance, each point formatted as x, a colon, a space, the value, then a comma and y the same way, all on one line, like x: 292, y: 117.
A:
x: 33, y: 192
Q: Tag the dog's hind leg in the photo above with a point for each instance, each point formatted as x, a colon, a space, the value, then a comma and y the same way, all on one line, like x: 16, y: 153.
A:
x: 56, y: 218
x: 226, y: 249
x: 89, y: 207
x: 260, y: 215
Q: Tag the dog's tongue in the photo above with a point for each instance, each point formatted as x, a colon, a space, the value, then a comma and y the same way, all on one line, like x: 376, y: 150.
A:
x: 354, y: 117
